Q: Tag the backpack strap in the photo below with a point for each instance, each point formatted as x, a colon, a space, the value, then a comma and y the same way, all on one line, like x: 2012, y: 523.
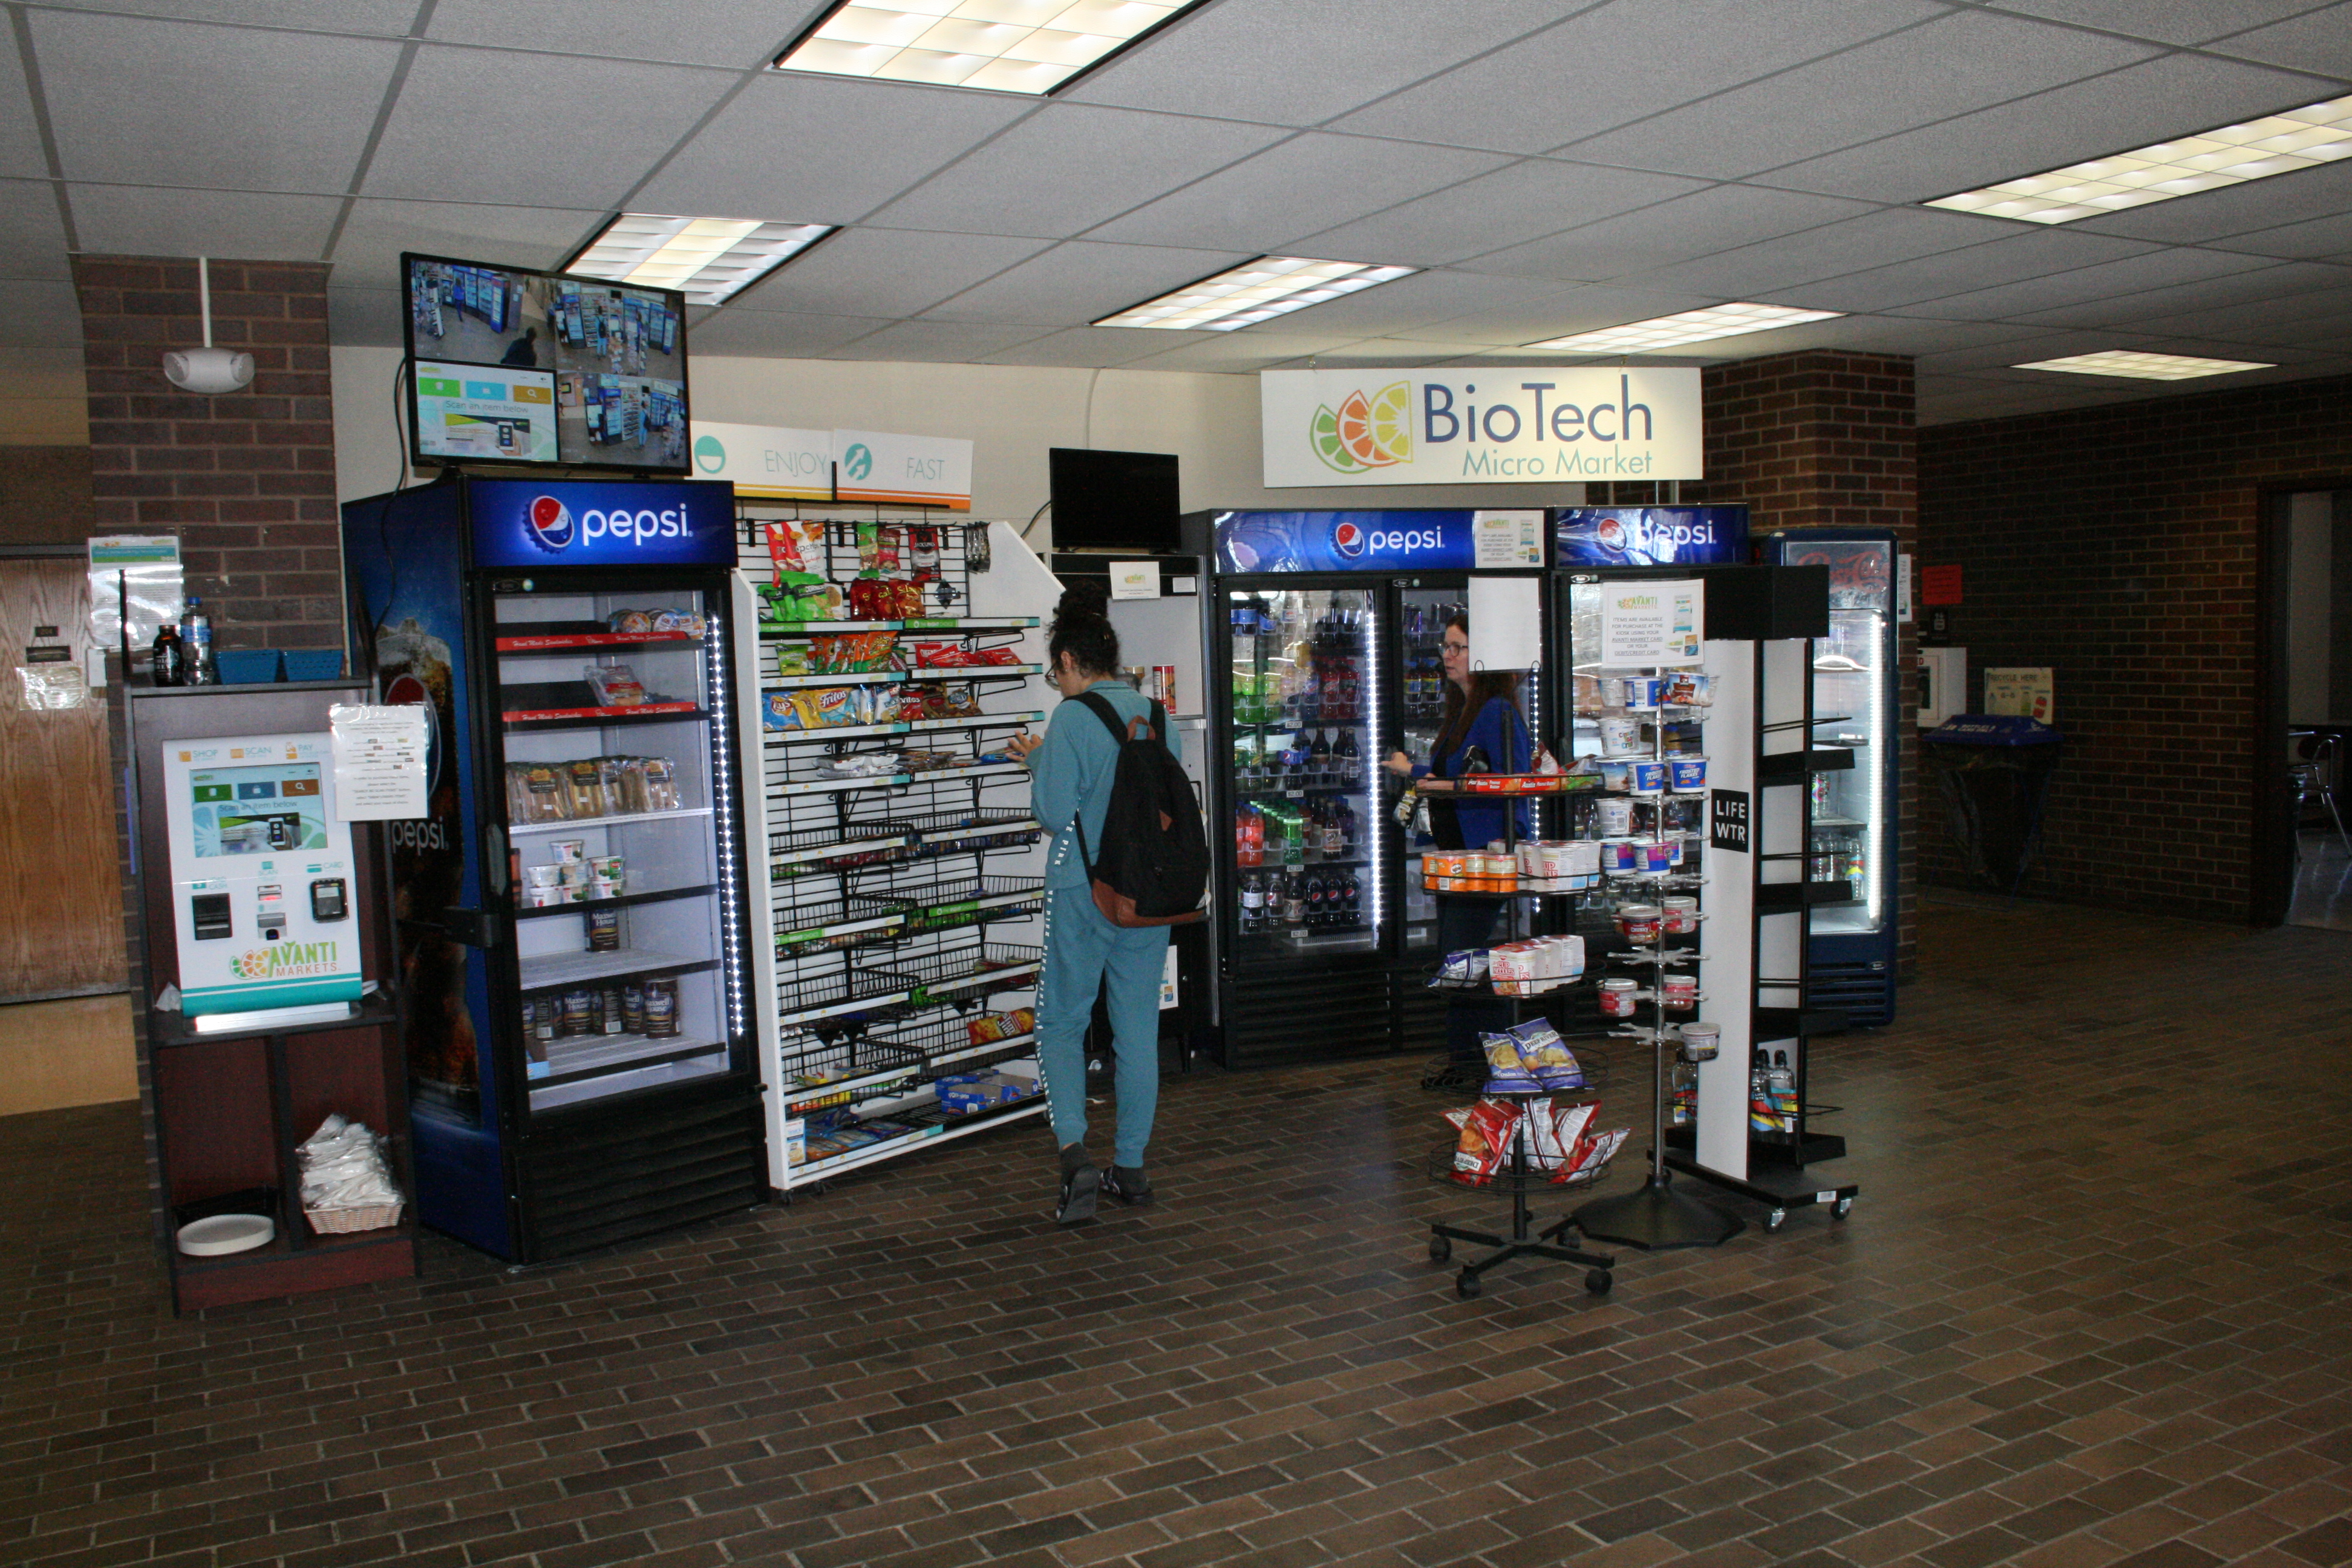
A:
x: 1124, y: 732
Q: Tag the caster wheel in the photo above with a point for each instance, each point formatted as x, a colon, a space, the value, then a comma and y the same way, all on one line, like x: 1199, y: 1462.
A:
x: 1840, y: 1208
x: 1598, y: 1281
x: 1467, y: 1285
x: 1440, y: 1249
x: 1774, y: 1221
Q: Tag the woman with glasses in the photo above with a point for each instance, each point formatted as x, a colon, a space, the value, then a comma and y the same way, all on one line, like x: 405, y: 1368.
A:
x: 1482, y: 732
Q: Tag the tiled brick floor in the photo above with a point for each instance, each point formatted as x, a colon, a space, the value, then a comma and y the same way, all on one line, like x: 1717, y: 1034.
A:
x: 2091, y: 1310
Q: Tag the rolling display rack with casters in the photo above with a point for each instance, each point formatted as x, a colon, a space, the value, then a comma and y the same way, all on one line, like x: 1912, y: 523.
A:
x: 1515, y: 1182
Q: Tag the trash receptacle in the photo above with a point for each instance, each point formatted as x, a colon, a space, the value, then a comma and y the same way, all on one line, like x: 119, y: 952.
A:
x: 1994, y: 771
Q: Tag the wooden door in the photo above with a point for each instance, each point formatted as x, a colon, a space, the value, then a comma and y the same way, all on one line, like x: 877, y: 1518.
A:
x: 60, y: 887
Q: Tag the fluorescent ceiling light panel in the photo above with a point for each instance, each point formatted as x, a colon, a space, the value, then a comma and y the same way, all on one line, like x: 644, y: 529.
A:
x: 2231, y: 155
x: 2144, y: 366
x: 1685, y: 327
x: 710, y: 258
x: 1003, y: 46
x: 1256, y: 291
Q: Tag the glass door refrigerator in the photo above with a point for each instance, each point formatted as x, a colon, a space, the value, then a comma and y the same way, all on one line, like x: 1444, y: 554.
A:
x: 1321, y: 633
x: 572, y: 907
x: 1855, y: 703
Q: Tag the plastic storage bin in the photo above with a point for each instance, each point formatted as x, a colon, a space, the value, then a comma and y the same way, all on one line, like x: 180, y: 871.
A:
x: 313, y: 663
x: 246, y: 666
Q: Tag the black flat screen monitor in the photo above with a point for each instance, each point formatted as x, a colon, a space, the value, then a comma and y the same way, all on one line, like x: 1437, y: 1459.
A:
x: 509, y: 365
x: 1114, y: 500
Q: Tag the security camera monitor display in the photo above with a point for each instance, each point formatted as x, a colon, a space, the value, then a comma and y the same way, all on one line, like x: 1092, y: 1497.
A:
x: 514, y: 366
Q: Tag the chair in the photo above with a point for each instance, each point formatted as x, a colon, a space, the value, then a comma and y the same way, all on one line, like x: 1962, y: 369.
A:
x: 2314, y: 778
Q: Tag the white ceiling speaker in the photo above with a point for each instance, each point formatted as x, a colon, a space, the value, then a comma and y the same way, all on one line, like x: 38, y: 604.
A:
x: 207, y: 370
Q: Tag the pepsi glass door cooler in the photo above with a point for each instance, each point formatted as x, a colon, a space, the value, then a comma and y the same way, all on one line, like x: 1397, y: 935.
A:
x: 1856, y: 703
x: 572, y: 907
x: 1326, y: 628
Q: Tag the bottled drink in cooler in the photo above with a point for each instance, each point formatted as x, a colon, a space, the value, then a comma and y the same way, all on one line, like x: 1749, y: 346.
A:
x: 1294, y: 846
x: 1350, y: 754
x: 1249, y: 835
x: 1351, y: 901
x: 1335, y: 837
x: 1316, y: 912
x: 1252, y: 904
x: 1319, y: 755
x: 1294, y: 901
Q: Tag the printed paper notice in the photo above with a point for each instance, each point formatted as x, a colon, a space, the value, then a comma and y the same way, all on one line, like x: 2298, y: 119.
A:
x: 2027, y: 693
x: 380, y: 761
x: 1134, y: 579
x: 1644, y: 624
x: 1504, y: 539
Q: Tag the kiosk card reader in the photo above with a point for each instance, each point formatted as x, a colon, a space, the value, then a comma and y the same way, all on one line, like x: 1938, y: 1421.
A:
x: 261, y: 877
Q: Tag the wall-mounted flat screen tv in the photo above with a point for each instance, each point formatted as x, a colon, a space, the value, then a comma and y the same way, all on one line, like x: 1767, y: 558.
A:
x: 509, y: 365
x: 1114, y: 500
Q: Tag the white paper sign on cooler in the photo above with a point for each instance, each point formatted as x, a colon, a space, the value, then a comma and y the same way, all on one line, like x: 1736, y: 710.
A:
x: 1134, y: 579
x: 1479, y: 424
x: 1644, y: 624
x: 380, y: 761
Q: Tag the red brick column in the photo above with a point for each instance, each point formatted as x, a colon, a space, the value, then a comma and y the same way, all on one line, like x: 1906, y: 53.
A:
x: 246, y: 479
x: 1819, y: 439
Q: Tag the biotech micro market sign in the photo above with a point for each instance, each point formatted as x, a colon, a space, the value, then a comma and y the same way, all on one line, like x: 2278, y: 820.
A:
x: 1484, y: 424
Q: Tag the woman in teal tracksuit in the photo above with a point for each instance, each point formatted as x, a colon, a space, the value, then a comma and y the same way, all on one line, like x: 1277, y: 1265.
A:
x: 1072, y: 767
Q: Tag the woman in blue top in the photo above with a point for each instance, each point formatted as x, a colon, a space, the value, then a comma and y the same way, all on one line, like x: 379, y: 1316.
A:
x: 1071, y: 768
x: 1482, y: 732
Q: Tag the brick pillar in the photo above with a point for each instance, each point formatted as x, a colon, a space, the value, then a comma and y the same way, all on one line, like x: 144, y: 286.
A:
x: 246, y: 479
x: 1818, y: 439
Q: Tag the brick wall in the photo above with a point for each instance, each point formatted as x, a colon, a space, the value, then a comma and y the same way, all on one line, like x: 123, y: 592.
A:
x: 2117, y: 546
x: 246, y: 479
x: 1817, y: 440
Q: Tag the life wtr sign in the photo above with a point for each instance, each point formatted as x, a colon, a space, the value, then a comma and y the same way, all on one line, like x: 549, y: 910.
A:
x: 1485, y: 425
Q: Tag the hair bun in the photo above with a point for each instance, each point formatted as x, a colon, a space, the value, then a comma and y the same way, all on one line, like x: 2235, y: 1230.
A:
x: 1085, y: 597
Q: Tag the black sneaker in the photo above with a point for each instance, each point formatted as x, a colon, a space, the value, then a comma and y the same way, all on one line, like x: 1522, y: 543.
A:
x: 1079, y: 1187
x: 1129, y: 1186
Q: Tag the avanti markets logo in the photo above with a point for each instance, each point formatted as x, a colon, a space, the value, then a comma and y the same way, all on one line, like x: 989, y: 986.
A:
x: 710, y: 454
x: 858, y: 461
x: 1365, y: 433
x: 551, y: 524
x: 288, y: 961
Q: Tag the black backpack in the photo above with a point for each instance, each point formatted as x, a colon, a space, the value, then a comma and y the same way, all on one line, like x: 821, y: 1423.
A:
x: 1154, y: 865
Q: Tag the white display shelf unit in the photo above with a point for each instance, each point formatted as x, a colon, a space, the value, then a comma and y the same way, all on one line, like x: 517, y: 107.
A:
x: 904, y: 903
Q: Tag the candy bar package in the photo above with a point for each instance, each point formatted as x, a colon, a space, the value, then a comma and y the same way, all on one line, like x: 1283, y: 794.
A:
x: 615, y: 685
x: 1547, y: 1060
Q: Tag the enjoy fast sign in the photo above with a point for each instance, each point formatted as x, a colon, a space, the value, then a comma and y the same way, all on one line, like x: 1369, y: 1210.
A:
x: 1483, y: 425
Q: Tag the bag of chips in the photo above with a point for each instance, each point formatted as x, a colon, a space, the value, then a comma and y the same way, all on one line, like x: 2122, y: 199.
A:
x: 1505, y: 1073
x: 1485, y: 1129
x: 1550, y: 1063
x: 1593, y: 1152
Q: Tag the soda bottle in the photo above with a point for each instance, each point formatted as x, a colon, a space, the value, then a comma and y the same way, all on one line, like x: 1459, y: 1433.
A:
x: 1249, y: 835
x: 1335, y: 837
x: 1319, y: 755
x: 1294, y: 847
x: 1315, y: 910
x: 1347, y: 840
x: 1252, y: 904
x: 170, y: 663
x: 1350, y: 683
x: 1350, y: 902
x: 1351, y: 755
x: 196, y: 646
x: 1760, y: 1117
x: 1294, y: 901
x: 1781, y: 1086
x: 1310, y: 681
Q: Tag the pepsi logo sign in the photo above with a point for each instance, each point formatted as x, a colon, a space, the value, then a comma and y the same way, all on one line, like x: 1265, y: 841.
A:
x: 1347, y: 539
x: 551, y: 523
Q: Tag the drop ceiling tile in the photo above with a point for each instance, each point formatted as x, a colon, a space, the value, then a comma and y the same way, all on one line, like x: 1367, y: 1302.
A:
x: 1584, y: 310
x: 1424, y: 300
x: 2031, y: 343
x: 364, y: 317
x: 1880, y: 238
x: 936, y: 343
x: 386, y: 18
x: 32, y: 239
x: 2085, y: 285
x: 2212, y: 215
x: 483, y: 125
x: 150, y: 220
x: 20, y: 139
x: 808, y: 149
x: 1307, y: 183
x: 154, y: 103
x: 1504, y: 208
x: 2271, y: 321
x: 1916, y: 339
x: 1070, y: 166
x: 2277, y: 284
x: 779, y: 334
x: 1079, y: 281
x: 1965, y: 61
x: 1299, y: 62
x: 1961, y: 270
x: 368, y: 252
x: 1250, y: 348
x: 1085, y: 348
x: 890, y: 273
x: 1718, y: 218
x: 2316, y: 41
x: 687, y: 32
x: 1606, y: 65
x: 2083, y: 119
x: 2166, y: 21
x: 36, y: 314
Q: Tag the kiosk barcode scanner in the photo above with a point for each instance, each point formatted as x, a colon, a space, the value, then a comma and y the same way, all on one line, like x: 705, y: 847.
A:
x: 261, y: 877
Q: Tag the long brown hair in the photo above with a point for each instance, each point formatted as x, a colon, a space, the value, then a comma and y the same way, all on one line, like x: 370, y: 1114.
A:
x: 1462, y: 708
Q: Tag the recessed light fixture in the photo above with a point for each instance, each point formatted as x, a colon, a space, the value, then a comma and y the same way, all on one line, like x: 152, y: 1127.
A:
x: 2144, y: 366
x: 1685, y: 327
x: 2228, y: 155
x: 1256, y: 291
x: 1004, y: 46
x: 710, y: 259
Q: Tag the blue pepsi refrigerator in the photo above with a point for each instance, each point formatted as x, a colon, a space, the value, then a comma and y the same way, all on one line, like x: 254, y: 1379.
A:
x: 1856, y: 703
x: 572, y: 907
x: 1326, y: 626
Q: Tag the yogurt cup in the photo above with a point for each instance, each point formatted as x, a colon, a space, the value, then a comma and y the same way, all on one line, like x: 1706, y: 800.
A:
x: 1701, y: 1041
x: 1649, y: 778
x: 1639, y: 923
x: 1687, y: 772
x: 1681, y: 915
x: 1619, y: 856
x: 1678, y: 992
x: 1617, y: 777
x: 1618, y: 999
x: 569, y: 851
x: 1615, y: 818
x: 1641, y: 690
x: 542, y: 877
x: 1661, y: 857
x: 1619, y: 736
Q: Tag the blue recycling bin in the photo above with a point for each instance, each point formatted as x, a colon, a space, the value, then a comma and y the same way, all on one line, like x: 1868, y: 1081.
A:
x: 1993, y: 770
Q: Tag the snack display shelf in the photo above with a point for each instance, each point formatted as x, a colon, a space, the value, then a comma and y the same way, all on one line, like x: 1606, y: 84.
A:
x: 873, y: 1061
x: 959, y: 1126
x: 972, y: 900
x: 846, y: 678
x: 975, y: 671
x: 799, y: 922
x: 815, y: 850
x: 600, y: 1056
x: 1519, y: 1180
x: 965, y: 971
x: 892, y: 780
x: 898, y: 727
x: 545, y: 718
x: 1008, y: 1045
x: 557, y: 641
x: 773, y: 629
x: 619, y: 901
x: 567, y: 969
x: 583, y: 823
x: 805, y: 998
x: 1511, y: 784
